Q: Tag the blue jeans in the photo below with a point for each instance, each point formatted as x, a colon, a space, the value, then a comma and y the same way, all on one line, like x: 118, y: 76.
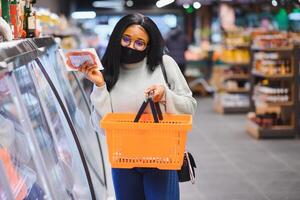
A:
x: 145, y: 183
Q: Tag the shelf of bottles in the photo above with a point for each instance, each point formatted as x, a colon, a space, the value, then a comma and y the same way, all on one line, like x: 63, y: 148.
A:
x: 20, y: 17
x: 233, y: 96
x: 274, y: 94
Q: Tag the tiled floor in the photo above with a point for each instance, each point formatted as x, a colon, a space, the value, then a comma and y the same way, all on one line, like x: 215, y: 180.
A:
x: 234, y: 166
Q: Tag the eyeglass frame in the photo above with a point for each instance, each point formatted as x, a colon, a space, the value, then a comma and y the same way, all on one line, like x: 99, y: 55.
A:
x: 134, y: 44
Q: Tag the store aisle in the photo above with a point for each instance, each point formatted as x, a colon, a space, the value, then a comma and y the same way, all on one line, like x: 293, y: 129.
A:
x: 234, y: 166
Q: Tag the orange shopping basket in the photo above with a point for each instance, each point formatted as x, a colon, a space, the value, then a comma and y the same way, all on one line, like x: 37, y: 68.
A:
x: 142, y: 140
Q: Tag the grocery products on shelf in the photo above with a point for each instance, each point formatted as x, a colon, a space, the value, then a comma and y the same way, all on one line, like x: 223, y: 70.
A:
x: 232, y: 100
x: 239, y: 38
x: 271, y: 41
x: 21, y: 17
x: 236, y: 73
x: 269, y: 120
x: 273, y: 90
x: 235, y: 56
x: 51, y: 24
x: 235, y: 87
x: 26, y: 21
x: 271, y: 95
x: 29, y: 23
x: 271, y: 64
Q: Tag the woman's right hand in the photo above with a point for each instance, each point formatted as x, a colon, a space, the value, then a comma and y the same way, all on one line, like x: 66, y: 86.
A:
x: 92, y: 73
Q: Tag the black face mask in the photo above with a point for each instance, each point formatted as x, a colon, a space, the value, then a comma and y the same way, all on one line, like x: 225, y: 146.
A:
x: 129, y: 56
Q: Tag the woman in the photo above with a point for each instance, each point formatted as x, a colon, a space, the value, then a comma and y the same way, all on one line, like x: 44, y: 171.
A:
x: 132, y: 70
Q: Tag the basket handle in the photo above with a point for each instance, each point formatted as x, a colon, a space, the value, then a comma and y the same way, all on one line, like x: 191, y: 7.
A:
x: 155, y: 109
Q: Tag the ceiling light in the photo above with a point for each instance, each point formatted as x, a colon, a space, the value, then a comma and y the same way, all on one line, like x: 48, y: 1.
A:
x: 197, y: 5
x: 274, y: 3
x: 129, y: 3
x: 294, y: 16
x: 83, y: 15
x: 186, y: 6
x: 162, y: 3
x: 108, y: 4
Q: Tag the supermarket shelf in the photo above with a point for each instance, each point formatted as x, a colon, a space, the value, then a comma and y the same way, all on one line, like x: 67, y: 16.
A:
x: 288, y: 48
x: 259, y: 74
x: 290, y: 108
x: 265, y: 109
x: 241, y: 46
x: 274, y: 132
x: 236, y: 64
x: 220, y: 108
x: 238, y: 90
x: 237, y: 77
x: 289, y: 103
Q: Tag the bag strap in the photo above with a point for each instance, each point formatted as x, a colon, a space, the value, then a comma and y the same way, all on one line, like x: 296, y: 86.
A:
x: 163, y: 69
x: 141, y: 110
x: 191, y: 169
x: 155, y: 109
x: 159, y: 113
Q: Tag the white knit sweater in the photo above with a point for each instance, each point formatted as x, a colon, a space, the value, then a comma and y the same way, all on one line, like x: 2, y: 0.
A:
x: 128, y: 93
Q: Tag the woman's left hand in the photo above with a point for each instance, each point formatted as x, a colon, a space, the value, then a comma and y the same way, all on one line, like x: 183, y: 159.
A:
x: 157, y: 92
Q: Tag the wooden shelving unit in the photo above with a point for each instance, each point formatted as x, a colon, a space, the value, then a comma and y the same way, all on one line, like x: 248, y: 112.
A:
x: 236, y: 63
x: 282, y: 49
x: 238, y: 90
x: 232, y: 95
x: 222, y: 109
x: 219, y: 107
x: 272, y: 132
x: 225, y: 109
x: 237, y: 77
x: 290, y: 108
x: 262, y: 75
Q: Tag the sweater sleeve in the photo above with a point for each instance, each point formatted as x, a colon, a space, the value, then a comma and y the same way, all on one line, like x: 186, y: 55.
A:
x: 101, y: 103
x: 100, y: 99
x: 179, y: 99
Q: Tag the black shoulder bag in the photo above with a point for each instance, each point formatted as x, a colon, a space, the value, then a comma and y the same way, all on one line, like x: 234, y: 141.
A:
x: 187, y: 171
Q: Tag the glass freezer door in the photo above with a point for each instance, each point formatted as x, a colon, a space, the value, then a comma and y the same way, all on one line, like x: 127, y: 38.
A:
x: 80, y: 114
x: 21, y: 158
x: 61, y: 156
x: 5, y: 191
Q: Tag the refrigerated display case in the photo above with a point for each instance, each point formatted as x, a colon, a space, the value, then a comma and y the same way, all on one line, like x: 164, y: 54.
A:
x: 48, y: 141
x: 9, y: 178
x: 80, y: 111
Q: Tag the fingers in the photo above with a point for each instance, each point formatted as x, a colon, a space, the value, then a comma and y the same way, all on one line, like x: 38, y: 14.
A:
x: 83, y: 66
x: 149, y: 90
x: 157, y: 92
x: 91, y: 70
x: 92, y: 73
x: 87, y: 68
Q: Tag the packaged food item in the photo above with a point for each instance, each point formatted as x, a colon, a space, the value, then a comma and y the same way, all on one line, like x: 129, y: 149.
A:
x: 73, y: 59
x: 5, y: 30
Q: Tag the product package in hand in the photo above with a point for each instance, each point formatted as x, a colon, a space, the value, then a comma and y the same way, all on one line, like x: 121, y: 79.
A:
x: 73, y: 59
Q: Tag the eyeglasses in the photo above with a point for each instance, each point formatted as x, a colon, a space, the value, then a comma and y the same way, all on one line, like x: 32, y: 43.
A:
x: 138, y: 44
